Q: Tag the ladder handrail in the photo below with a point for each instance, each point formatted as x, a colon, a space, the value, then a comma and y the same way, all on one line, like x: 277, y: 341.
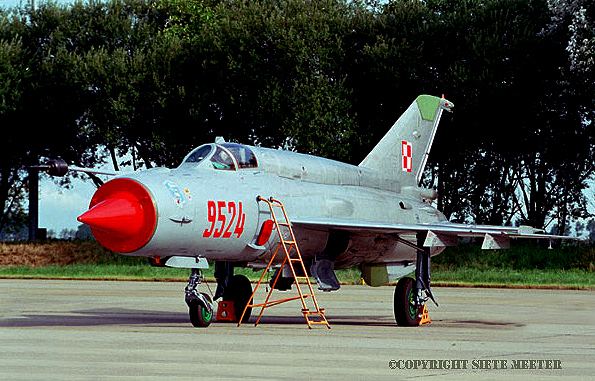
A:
x: 272, y: 203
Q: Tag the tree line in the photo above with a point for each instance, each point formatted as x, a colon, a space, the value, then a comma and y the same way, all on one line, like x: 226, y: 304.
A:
x: 93, y: 81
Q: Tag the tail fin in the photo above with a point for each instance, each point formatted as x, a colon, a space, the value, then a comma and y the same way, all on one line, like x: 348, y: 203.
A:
x: 403, y: 151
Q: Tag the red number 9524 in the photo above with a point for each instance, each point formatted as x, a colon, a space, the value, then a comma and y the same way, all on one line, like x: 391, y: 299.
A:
x: 225, y: 218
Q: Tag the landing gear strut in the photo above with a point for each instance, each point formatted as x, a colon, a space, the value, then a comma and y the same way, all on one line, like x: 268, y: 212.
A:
x: 409, y: 300
x: 233, y: 288
x: 200, y: 305
x: 239, y: 291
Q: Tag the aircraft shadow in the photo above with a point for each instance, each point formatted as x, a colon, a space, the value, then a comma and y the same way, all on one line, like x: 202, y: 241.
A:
x: 97, y: 317
x: 385, y: 321
x: 297, y: 319
x: 122, y: 316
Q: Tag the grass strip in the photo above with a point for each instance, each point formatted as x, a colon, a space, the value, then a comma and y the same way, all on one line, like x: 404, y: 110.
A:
x: 511, y: 278
x: 571, y: 279
x: 464, y: 265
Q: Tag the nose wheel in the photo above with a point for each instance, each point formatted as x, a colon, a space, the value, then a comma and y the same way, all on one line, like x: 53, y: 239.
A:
x: 200, y: 305
x: 201, y: 316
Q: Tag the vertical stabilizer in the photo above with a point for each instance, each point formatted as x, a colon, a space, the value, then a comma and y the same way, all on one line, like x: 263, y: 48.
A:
x: 403, y: 152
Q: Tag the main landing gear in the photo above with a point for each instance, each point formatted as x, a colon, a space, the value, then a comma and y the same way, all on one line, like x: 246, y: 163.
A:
x: 406, y: 306
x: 239, y: 291
x: 409, y: 300
x: 233, y: 288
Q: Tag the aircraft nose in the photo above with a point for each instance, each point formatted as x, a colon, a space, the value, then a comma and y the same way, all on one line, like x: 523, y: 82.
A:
x: 122, y: 215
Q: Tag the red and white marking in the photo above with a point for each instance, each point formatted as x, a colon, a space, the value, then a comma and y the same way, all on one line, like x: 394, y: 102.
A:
x: 407, y: 152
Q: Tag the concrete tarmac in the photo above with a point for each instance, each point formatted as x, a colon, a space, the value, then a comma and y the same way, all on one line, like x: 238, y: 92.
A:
x: 97, y: 330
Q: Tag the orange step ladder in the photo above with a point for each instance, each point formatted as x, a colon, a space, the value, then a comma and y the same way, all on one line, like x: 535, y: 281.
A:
x: 292, y: 257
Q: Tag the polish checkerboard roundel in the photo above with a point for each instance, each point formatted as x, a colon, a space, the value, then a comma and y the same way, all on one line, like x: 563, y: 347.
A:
x: 407, y: 153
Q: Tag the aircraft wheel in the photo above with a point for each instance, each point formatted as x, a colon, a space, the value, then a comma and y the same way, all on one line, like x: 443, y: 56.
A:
x: 200, y: 316
x: 406, y: 312
x: 239, y: 291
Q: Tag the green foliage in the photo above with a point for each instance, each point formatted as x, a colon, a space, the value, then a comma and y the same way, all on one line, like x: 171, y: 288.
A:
x: 518, y: 257
x: 185, y: 18
x: 507, y: 72
x: 274, y: 69
x: 157, y: 78
x: 11, y: 74
x: 13, y: 86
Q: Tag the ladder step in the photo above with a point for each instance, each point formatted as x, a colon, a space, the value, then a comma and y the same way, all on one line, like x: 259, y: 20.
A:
x: 319, y: 322
x: 319, y: 312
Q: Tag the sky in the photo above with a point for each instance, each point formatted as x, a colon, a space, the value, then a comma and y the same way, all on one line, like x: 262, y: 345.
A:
x: 59, y: 206
x: 17, y: 3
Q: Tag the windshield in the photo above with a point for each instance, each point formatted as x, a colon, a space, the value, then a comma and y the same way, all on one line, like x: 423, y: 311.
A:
x: 198, y: 154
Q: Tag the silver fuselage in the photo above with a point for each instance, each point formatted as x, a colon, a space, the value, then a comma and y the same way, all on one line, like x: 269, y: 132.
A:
x: 198, y: 208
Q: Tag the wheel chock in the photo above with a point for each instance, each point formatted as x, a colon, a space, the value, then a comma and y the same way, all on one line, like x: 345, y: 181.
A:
x: 425, y: 318
x: 225, y: 311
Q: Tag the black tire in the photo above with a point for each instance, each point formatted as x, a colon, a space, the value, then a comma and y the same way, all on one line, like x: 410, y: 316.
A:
x: 239, y: 291
x: 199, y: 315
x: 406, y: 312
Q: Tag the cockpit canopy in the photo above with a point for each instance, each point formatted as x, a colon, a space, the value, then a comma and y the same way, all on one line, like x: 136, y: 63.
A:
x: 243, y: 155
x: 227, y: 156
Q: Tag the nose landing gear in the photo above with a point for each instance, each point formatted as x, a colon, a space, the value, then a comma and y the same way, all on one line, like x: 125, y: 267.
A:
x: 200, y: 305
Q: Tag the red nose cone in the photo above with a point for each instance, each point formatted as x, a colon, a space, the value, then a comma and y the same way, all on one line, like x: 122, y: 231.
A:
x: 122, y: 215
